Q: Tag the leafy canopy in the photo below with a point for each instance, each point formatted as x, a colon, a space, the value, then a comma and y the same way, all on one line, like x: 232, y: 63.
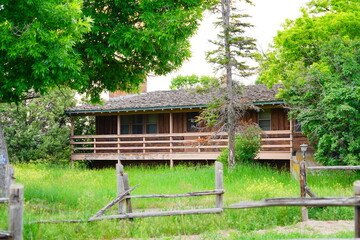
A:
x: 37, y: 40
x: 91, y: 46
x: 317, y: 59
x: 302, y: 39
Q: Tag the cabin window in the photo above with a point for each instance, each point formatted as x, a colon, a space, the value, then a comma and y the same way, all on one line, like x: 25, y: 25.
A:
x: 125, y: 125
x: 265, y: 119
x: 137, y: 124
x: 191, y: 121
x: 151, y: 123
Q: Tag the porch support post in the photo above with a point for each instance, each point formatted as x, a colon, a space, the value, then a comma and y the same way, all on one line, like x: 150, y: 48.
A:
x: 118, y: 133
x: 291, y: 136
x: 171, y: 139
x: 72, y: 122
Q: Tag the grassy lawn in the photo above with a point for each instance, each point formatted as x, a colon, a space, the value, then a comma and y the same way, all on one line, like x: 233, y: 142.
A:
x: 58, y: 193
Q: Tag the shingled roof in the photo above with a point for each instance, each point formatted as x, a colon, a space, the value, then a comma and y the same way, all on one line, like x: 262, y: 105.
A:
x: 258, y: 94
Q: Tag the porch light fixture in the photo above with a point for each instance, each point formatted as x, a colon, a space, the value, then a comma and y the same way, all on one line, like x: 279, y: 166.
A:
x: 303, y: 147
x: 303, y: 150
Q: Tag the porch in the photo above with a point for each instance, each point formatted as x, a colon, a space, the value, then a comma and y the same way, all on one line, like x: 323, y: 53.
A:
x: 172, y: 146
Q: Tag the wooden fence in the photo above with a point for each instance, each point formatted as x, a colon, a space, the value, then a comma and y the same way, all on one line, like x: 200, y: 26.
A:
x: 12, y: 194
x: 125, y: 206
x: 306, y: 190
x: 311, y: 202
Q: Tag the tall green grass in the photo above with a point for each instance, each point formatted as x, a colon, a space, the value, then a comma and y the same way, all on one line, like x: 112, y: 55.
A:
x: 58, y: 192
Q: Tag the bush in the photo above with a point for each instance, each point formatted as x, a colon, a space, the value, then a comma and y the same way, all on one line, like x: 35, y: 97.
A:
x: 247, y: 145
x: 38, y: 129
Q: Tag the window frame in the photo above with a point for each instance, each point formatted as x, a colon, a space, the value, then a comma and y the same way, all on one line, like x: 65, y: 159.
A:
x: 263, y: 119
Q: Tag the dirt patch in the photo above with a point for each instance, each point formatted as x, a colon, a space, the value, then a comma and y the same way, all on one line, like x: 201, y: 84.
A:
x: 309, y: 227
x: 313, y: 227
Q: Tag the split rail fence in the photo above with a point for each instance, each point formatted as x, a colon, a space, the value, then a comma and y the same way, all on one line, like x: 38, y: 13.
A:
x: 125, y: 206
x: 306, y: 190
x: 125, y: 210
x: 12, y: 194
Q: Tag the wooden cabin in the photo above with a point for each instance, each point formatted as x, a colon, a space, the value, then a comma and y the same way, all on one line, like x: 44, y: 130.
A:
x: 161, y: 125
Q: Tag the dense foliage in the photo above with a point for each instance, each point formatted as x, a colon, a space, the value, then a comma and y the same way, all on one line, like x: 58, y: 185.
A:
x: 38, y: 128
x: 194, y: 82
x: 91, y: 46
x: 37, y: 40
x: 317, y: 59
x: 247, y: 145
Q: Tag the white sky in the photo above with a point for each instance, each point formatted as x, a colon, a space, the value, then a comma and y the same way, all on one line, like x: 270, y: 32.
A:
x: 267, y: 16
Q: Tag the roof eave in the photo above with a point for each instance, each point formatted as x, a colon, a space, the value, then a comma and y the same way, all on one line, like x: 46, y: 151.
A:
x: 134, y: 109
x: 76, y: 112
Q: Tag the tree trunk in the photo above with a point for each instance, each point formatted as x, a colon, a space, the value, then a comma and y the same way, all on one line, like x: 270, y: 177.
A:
x: 225, y: 9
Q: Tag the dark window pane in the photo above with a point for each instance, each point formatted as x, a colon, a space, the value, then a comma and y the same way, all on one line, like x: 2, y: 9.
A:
x: 265, y: 119
x: 191, y: 121
x: 124, y: 129
x: 137, y: 129
x: 264, y: 124
x: 151, y: 123
x: 125, y: 125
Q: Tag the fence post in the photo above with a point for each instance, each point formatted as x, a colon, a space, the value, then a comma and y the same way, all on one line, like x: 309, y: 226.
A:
x: 128, y: 200
x: 120, y: 185
x: 304, y: 210
x: 16, y: 199
x: 219, y: 183
x: 357, y: 209
x: 6, y: 179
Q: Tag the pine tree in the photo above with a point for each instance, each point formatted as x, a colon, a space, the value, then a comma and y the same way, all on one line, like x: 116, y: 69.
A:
x: 233, y: 51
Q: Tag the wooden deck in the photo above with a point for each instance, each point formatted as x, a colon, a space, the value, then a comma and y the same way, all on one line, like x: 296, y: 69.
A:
x: 177, y: 146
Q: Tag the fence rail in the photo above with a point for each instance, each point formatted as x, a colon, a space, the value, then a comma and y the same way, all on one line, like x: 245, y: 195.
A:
x: 310, y: 202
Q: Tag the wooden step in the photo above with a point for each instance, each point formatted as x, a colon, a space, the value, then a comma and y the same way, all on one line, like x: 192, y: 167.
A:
x: 276, y: 146
x: 267, y: 155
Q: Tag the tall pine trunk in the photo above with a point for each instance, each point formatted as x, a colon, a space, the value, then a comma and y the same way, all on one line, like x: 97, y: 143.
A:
x: 225, y: 7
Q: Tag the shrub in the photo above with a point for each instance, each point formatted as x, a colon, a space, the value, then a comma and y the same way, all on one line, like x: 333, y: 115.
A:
x: 247, y: 144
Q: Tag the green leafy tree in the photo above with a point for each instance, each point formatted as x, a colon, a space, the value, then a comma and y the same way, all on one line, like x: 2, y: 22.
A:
x: 325, y: 98
x: 233, y: 50
x: 316, y: 57
x: 90, y: 46
x: 193, y: 82
x: 38, y: 128
x: 131, y: 39
x: 302, y: 38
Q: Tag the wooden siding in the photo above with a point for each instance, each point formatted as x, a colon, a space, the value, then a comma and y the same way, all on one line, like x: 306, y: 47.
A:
x: 179, y: 122
x: 279, y: 119
x: 164, y: 123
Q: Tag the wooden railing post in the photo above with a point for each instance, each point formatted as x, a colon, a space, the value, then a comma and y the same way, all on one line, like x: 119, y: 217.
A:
x: 219, y: 183
x: 128, y: 200
x: 357, y: 209
x: 120, y: 185
x: 16, y: 199
x: 304, y: 210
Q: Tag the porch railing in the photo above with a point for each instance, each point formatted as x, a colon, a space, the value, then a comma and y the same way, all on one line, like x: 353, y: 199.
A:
x: 171, y: 143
